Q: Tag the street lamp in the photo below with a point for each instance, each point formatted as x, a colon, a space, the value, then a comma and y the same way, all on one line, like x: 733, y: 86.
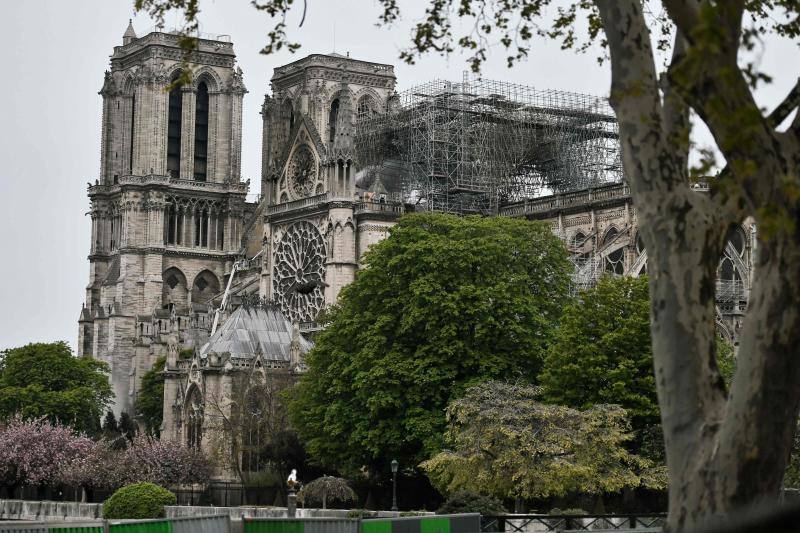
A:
x: 395, y: 464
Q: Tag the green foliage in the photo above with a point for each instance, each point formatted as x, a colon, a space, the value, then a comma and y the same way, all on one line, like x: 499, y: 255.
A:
x: 791, y: 477
x: 110, y: 423
x: 602, y: 352
x: 127, y: 427
x: 464, y: 501
x: 443, y: 302
x: 327, y: 489
x: 45, y: 379
x: 186, y: 353
x: 139, y: 500
x: 504, y: 441
x: 150, y: 400
x: 726, y: 360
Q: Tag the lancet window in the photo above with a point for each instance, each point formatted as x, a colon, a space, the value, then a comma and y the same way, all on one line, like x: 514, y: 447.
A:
x: 174, y: 132
x: 201, y: 133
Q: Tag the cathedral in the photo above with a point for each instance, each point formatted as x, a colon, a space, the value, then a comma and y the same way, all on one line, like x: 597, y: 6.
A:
x: 182, y: 266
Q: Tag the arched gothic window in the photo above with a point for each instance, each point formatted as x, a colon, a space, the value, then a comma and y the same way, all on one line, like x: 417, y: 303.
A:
x: 201, y: 133
x: 206, y: 286
x: 614, y: 262
x: 333, y: 117
x: 174, y: 132
x: 577, y: 242
x: 366, y: 107
x: 194, y: 419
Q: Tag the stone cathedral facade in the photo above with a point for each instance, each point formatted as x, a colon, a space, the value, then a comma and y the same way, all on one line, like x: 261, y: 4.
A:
x: 171, y: 227
x: 168, y: 209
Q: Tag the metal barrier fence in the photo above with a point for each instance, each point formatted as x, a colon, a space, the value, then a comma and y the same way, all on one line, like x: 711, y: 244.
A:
x: 94, y: 526
x: 455, y: 523
x: 535, y: 523
x: 301, y: 525
x: 201, y: 524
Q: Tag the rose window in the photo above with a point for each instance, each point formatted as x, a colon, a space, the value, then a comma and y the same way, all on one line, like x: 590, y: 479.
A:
x: 299, y: 272
x: 302, y: 171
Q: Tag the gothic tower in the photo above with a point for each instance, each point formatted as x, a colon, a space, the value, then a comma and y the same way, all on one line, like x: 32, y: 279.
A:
x: 168, y: 207
x: 312, y: 239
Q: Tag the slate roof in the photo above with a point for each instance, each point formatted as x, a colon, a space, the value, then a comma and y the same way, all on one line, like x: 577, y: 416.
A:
x: 250, y: 330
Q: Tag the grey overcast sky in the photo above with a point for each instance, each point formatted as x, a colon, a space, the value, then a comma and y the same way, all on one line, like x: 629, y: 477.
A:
x: 52, y: 57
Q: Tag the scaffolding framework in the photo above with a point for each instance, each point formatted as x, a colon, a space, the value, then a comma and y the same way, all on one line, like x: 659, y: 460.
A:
x: 471, y: 147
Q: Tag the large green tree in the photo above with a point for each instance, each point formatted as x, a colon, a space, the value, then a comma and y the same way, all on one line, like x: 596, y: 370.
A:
x: 441, y: 303
x: 602, y: 353
x: 503, y: 440
x: 45, y: 379
x: 150, y: 400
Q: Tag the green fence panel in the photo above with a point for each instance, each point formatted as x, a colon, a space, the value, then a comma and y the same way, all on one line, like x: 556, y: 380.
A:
x: 465, y: 523
x: 273, y: 526
x: 141, y: 526
x: 435, y: 525
x: 376, y: 526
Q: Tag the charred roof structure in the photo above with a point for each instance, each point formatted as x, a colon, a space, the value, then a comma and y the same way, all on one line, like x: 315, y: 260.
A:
x: 474, y: 146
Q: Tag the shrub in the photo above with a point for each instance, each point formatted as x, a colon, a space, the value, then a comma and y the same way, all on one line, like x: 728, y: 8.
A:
x: 464, y: 501
x: 140, y: 500
x: 325, y: 489
x: 573, y: 511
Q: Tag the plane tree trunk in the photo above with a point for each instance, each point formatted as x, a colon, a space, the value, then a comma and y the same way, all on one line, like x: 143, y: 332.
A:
x: 725, y: 450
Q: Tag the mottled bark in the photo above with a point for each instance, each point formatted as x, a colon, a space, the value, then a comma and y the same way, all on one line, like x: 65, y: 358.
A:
x: 723, y: 451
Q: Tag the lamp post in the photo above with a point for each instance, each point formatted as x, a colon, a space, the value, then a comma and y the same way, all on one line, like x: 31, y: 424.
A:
x: 395, y: 464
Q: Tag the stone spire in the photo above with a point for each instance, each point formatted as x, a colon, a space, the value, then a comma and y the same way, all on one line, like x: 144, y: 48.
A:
x: 129, y: 35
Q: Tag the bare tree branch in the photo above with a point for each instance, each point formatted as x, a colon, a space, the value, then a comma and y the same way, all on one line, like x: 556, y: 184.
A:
x: 785, y: 108
x: 675, y: 111
x: 685, y: 14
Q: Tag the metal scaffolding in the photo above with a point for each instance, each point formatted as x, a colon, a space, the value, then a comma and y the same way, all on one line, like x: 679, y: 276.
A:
x: 471, y: 147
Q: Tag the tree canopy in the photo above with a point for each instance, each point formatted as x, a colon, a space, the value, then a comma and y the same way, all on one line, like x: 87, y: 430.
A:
x: 602, y: 352
x: 442, y: 302
x: 150, y: 399
x: 47, y: 380
x: 503, y: 440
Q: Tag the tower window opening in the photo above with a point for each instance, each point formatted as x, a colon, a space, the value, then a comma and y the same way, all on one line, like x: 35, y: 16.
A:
x: 132, y: 132
x: 172, y: 225
x: 201, y: 133
x: 220, y: 231
x: 174, y: 133
x: 333, y: 116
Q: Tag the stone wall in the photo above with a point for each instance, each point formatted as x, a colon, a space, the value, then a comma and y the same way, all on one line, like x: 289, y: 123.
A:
x: 51, y: 511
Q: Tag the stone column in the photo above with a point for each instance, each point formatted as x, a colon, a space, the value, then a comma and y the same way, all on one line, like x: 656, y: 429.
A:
x: 188, y: 108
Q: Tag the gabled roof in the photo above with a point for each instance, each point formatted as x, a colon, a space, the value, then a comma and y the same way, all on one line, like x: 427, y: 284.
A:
x: 255, y: 329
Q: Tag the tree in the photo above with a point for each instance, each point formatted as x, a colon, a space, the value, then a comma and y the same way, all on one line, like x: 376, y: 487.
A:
x: 47, y: 380
x: 443, y: 302
x: 126, y: 426
x: 166, y: 463
x: 110, y: 423
x: 602, y: 352
x: 504, y: 441
x: 150, y: 400
x: 724, y: 451
x: 36, y: 452
x: 325, y: 489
